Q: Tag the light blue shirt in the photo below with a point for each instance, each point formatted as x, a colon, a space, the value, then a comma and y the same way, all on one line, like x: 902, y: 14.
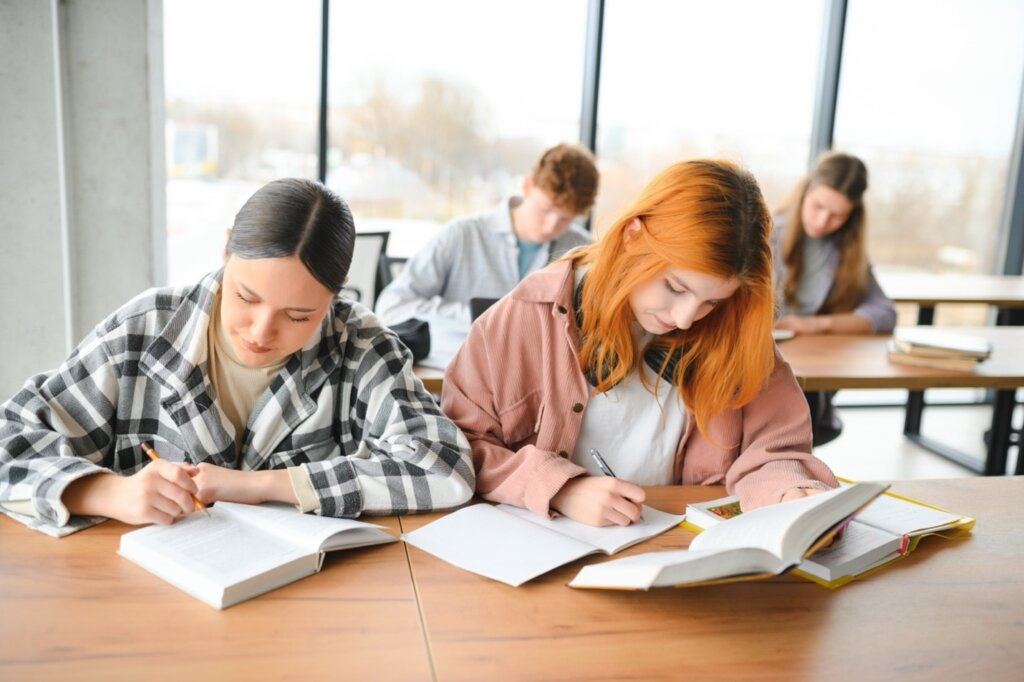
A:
x: 527, y: 252
x: 474, y: 256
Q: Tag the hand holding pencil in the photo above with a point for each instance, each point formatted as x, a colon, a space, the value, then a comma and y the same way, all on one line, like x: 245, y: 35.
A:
x: 151, y: 453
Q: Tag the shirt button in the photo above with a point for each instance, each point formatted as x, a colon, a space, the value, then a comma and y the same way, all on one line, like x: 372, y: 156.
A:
x: 577, y: 408
x: 563, y: 454
x: 562, y: 309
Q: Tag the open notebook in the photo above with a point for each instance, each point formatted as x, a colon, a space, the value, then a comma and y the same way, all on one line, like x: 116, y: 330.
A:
x: 514, y: 545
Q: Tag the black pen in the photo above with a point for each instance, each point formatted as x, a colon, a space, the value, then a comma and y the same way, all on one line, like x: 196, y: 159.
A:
x: 605, y: 469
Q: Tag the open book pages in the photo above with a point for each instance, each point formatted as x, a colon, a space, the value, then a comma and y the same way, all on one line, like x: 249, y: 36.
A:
x: 514, y: 545
x: 240, y: 550
x: 762, y: 542
x: 884, y: 530
x: 780, y: 335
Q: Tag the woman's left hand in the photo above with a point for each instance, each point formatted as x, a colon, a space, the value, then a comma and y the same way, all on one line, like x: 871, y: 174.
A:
x: 248, y: 487
x: 797, y: 493
x: 801, y: 324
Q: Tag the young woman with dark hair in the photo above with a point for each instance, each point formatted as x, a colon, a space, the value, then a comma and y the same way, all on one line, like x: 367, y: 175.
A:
x: 652, y: 346
x: 256, y: 384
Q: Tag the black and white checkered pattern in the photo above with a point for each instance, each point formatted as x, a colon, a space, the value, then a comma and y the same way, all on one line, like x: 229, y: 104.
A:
x: 347, y: 407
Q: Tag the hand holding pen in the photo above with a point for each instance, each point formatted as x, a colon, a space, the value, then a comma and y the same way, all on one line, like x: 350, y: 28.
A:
x: 605, y: 469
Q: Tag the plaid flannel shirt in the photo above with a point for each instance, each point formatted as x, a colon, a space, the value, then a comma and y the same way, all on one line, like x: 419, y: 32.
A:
x: 346, y: 407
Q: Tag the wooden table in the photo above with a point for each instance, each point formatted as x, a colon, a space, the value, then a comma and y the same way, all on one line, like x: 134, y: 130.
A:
x: 949, y: 611
x: 928, y: 290
x: 73, y: 609
x: 432, y: 378
x: 830, y: 362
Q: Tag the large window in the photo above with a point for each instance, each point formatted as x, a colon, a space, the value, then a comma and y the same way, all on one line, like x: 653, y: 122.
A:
x: 928, y: 98
x: 439, y: 108
x: 242, y: 88
x: 686, y: 79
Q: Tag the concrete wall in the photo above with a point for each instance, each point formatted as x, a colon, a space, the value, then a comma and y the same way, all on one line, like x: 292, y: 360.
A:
x: 81, y: 171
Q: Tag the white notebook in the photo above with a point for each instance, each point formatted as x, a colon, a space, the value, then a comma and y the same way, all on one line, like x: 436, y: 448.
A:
x: 514, y: 545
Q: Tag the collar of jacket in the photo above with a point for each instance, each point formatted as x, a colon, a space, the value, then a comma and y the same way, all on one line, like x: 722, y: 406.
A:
x: 554, y: 285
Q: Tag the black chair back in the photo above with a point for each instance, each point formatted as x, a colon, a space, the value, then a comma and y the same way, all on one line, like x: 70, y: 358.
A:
x: 477, y: 306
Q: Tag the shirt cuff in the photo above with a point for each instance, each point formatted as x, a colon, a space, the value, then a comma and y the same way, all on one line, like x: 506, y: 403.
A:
x: 303, y: 489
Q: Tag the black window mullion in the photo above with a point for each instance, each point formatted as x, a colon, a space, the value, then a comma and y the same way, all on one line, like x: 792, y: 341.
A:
x: 591, y: 74
x: 823, y: 126
x: 1012, y: 228
x: 322, y: 134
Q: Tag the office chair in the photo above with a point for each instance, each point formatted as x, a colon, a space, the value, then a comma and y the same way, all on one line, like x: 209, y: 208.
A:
x: 388, y: 269
x: 477, y: 306
x: 363, y: 275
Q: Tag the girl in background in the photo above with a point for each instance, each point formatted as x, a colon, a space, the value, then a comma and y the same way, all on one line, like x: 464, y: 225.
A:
x: 825, y: 283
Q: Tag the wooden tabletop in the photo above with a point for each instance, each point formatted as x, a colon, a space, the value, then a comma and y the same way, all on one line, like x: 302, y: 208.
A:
x: 431, y: 377
x: 1004, y: 291
x: 72, y: 609
x: 825, y: 362
x: 951, y: 610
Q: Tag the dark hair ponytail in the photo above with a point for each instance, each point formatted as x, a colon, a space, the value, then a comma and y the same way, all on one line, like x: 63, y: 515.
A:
x: 296, y: 217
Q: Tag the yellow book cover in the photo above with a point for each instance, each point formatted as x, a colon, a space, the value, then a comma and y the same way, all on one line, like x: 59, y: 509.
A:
x: 889, y: 528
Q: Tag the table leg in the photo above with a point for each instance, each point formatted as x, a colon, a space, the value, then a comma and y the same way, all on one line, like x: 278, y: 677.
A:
x: 915, y: 399
x: 1002, y: 427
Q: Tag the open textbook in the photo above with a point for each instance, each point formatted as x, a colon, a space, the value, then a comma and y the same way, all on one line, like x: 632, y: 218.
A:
x: 888, y: 528
x: 514, y: 545
x: 755, y: 544
x: 241, y: 550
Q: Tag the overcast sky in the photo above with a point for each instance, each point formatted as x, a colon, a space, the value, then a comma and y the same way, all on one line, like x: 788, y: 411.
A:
x: 939, y: 75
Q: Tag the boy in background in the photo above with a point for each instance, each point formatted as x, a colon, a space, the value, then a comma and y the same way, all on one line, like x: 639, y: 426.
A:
x: 486, y: 255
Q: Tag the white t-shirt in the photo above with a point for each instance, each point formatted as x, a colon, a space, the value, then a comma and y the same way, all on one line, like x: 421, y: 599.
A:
x: 636, y: 432
x: 637, y: 439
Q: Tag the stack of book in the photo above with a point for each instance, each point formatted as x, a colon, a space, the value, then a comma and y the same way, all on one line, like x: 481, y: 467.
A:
x: 938, y: 348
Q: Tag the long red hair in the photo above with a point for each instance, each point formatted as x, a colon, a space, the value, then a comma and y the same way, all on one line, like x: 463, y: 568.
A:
x: 703, y: 215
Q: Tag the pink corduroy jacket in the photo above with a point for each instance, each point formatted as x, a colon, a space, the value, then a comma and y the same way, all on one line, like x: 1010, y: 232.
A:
x: 516, y: 389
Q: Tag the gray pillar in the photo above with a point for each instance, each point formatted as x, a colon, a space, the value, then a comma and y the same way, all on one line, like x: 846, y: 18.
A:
x: 82, y: 179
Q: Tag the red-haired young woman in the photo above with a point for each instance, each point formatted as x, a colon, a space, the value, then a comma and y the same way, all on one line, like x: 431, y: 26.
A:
x: 652, y: 346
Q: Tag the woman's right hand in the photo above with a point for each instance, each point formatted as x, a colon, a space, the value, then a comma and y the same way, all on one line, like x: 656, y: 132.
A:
x: 599, y: 500
x: 160, y: 493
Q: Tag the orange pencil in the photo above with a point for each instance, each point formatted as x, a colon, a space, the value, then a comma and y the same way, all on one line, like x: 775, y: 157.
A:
x: 148, y: 449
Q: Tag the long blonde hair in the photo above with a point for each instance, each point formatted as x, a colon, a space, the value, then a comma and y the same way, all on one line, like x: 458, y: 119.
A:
x: 847, y: 175
x: 704, y: 215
